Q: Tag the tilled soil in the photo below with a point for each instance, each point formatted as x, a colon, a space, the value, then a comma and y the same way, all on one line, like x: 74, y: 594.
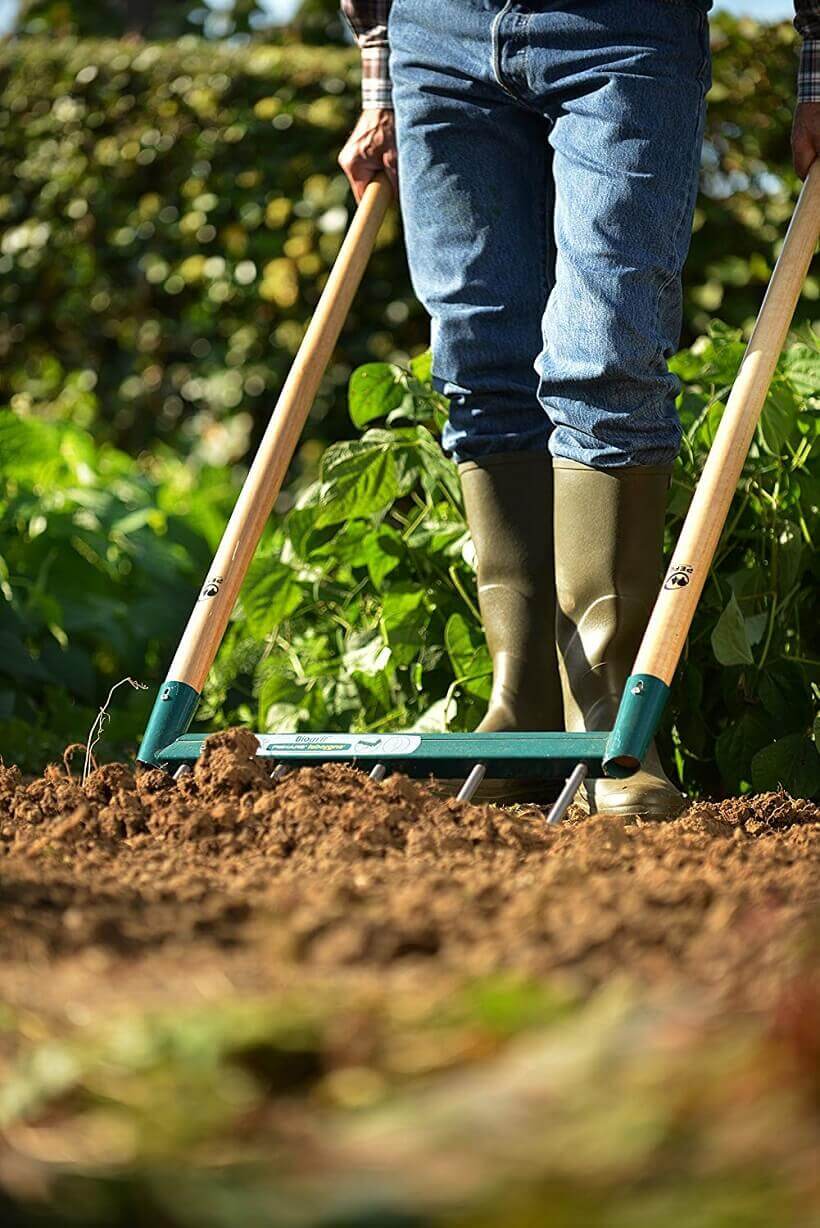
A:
x: 327, y: 871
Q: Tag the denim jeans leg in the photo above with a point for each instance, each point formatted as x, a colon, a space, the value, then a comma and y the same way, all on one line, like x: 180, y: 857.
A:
x: 627, y: 96
x: 476, y: 207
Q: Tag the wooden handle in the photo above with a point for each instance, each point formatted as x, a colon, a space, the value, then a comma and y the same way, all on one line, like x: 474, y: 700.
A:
x: 674, y: 609
x: 206, y: 626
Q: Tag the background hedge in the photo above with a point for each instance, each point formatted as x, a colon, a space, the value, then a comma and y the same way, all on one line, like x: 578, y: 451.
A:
x: 169, y: 216
x: 168, y: 213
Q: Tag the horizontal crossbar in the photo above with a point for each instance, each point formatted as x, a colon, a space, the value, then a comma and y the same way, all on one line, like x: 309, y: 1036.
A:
x: 538, y: 755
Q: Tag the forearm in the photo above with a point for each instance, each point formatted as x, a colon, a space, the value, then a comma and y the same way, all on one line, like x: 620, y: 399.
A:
x: 807, y: 23
x: 368, y: 21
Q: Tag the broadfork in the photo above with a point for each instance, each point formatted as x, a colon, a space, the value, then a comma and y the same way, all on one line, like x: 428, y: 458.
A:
x: 615, y: 753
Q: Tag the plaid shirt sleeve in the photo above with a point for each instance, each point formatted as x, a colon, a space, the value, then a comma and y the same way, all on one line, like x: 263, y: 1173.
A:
x: 368, y: 21
x: 807, y: 21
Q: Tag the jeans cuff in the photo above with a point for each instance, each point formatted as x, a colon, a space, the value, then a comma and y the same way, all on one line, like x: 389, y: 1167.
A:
x: 563, y: 462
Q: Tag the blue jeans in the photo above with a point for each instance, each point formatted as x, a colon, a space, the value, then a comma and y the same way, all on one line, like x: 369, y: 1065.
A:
x: 548, y: 165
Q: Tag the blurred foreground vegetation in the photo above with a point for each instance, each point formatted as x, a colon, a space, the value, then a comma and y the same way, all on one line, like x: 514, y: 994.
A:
x: 500, y: 1103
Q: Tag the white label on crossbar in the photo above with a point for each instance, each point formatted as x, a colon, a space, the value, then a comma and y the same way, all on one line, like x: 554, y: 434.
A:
x: 353, y: 744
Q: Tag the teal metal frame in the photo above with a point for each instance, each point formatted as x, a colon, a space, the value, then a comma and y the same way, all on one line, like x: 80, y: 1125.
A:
x: 517, y: 755
x: 548, y: 755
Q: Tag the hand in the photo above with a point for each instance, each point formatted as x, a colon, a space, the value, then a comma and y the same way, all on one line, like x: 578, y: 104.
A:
x: 370, y: 148
x: 805, y: 136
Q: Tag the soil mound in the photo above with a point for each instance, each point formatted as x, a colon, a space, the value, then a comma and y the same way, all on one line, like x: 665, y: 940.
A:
x: 328, y: 869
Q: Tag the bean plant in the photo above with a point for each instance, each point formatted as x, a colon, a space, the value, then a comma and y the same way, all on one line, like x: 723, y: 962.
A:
x: 361, y: 612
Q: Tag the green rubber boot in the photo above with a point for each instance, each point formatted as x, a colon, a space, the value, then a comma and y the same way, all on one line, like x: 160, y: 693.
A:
x: 508, y: 502
x: 609, y: 550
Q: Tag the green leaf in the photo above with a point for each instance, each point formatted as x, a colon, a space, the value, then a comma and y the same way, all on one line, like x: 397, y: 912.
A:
x: 468, y: 653
x: 800, y: 364
x: 359, y: 479
x: 301, y: 519
x: 723, y: 356
x: 404, y: 619
x: 384, y: 553
x: 366, y: 655
x: 722, y: 334
x: 422, y: 366
x: 730, y: 643
x: 410, y: 446
x: 374, y: 692
x: 785, y: 695
x: 375, y: 389
x: 791, y: 763
x: 271, y: 594
x: 755, y: 625
x: 348, y: 545
x: 737, y: 746
x: 712, y: 421
x: 778, y: 419
x: 29, y: 449
x: 750, y: 584
x: 789, y: 556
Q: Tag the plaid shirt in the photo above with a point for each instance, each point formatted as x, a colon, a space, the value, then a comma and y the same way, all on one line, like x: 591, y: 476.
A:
x: 368, y: 21
x: 807, y: 20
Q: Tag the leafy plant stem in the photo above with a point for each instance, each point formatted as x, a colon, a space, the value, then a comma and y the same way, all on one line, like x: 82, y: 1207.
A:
x: 462, y: 592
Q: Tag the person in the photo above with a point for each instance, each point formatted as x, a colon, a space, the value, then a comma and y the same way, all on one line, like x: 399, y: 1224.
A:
x: 546, y: 158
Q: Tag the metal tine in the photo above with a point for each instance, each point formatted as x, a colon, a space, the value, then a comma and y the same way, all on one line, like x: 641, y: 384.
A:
x: 465, y: 793
x: 184, y: 769
x: 565, y: 798
x: 378, y: 772
x: 281, y: 770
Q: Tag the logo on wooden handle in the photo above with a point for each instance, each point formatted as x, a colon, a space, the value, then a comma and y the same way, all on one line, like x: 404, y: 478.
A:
x: 678, y: 577
x: 210, y: 588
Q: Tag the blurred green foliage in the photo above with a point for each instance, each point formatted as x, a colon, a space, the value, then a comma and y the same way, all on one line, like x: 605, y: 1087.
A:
x: 154, y: 19
x: 265, y: 1113
x: 748, y: 186
x: 314, y: 21
x: 318, y: 21
x: 168, y: 214
x: 99, y: 561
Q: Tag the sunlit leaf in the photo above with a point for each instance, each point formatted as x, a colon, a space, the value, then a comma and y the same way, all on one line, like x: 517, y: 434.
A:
x: 468, y: 653
x: 403, y: 619
x: 271, y: 593
x: 730, y: 641
x: 375, y: 389
x: 359, y: 479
